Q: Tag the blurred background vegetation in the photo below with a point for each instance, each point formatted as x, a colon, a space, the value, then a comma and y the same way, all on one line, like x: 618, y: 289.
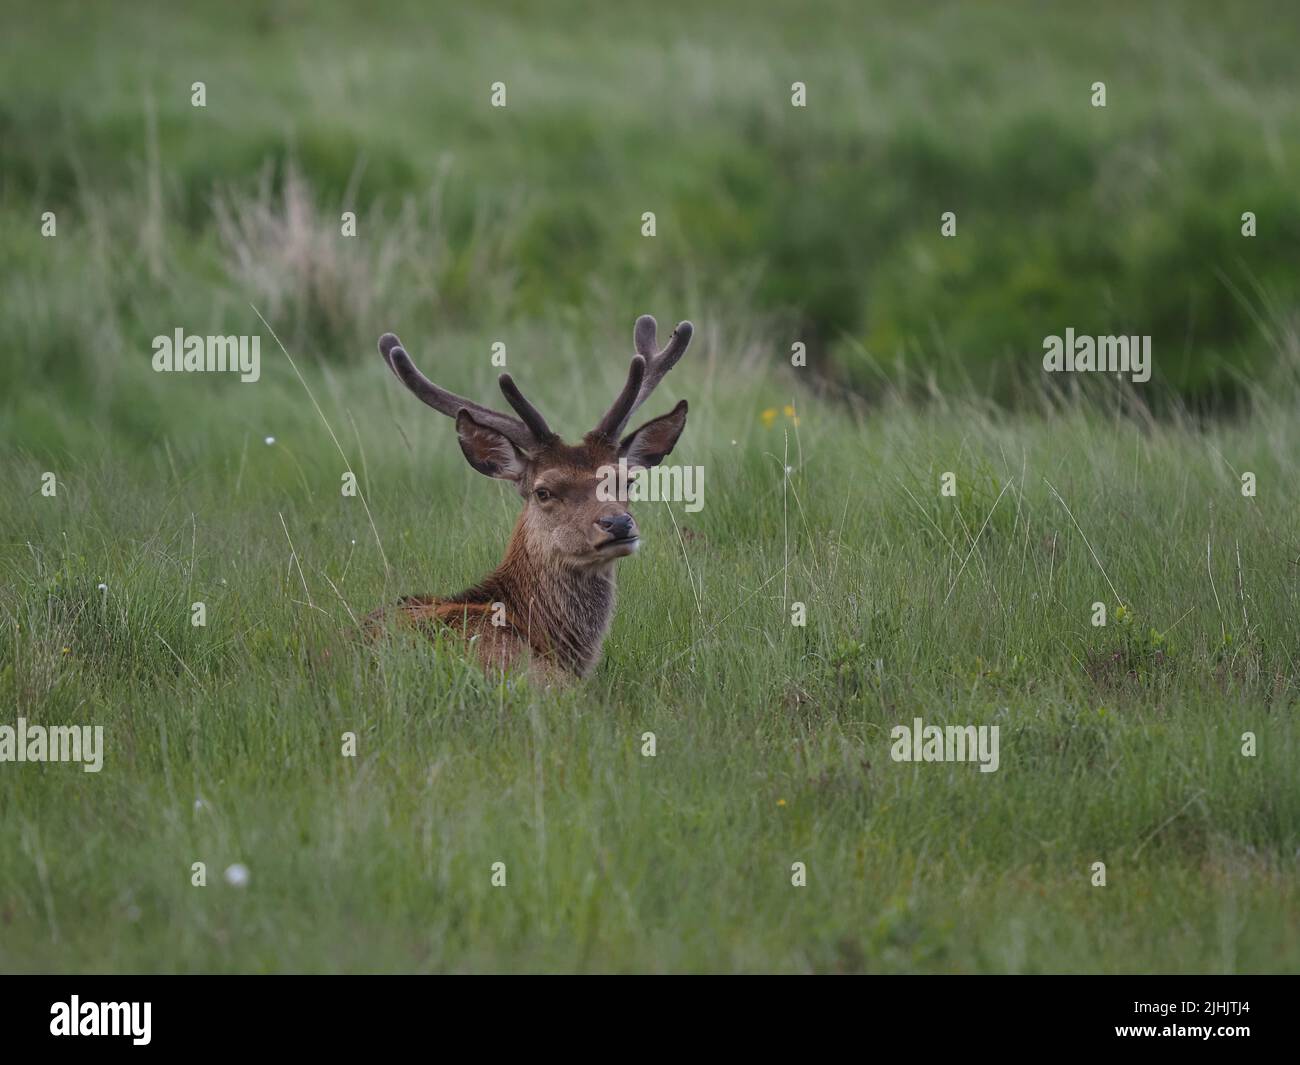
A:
x: 819, y: 224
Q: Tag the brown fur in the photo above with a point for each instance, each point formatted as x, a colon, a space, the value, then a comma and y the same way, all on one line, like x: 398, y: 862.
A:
x: 556, y: 584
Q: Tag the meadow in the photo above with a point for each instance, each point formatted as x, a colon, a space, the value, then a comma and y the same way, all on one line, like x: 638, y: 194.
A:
x: 1120, y: 744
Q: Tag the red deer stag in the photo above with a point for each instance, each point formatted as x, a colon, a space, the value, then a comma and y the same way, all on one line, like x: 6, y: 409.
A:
x: 549, y: 604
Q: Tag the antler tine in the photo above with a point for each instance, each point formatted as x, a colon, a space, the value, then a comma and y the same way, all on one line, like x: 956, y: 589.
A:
x: 646, y: 338
x: 449, y: 403
x: 611, y: 425
x: 531, y: 415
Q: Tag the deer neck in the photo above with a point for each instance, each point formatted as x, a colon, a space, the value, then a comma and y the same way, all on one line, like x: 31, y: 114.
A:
x: 563, y: 612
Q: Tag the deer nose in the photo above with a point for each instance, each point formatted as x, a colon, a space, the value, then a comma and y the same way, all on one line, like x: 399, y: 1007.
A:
x: 619, y: 526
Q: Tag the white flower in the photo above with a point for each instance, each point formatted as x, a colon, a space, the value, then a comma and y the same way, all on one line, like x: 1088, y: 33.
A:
x: 237, y: 875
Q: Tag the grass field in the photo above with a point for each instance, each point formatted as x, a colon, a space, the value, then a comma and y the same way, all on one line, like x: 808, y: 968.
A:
x: 1120, y: 743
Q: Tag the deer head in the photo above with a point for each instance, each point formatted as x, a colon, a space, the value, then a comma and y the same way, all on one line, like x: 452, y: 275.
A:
x: 565, y: 522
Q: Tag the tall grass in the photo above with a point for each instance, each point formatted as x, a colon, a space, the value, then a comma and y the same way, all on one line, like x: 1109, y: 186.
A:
x: 1124, y: 219
x: 1120, y: 743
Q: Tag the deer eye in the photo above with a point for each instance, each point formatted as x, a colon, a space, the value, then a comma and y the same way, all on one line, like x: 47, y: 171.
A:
x: 542, y: 495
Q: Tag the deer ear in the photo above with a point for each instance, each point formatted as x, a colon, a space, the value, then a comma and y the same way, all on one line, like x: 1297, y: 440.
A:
x: 652, y: 442
x: 487, y: 450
